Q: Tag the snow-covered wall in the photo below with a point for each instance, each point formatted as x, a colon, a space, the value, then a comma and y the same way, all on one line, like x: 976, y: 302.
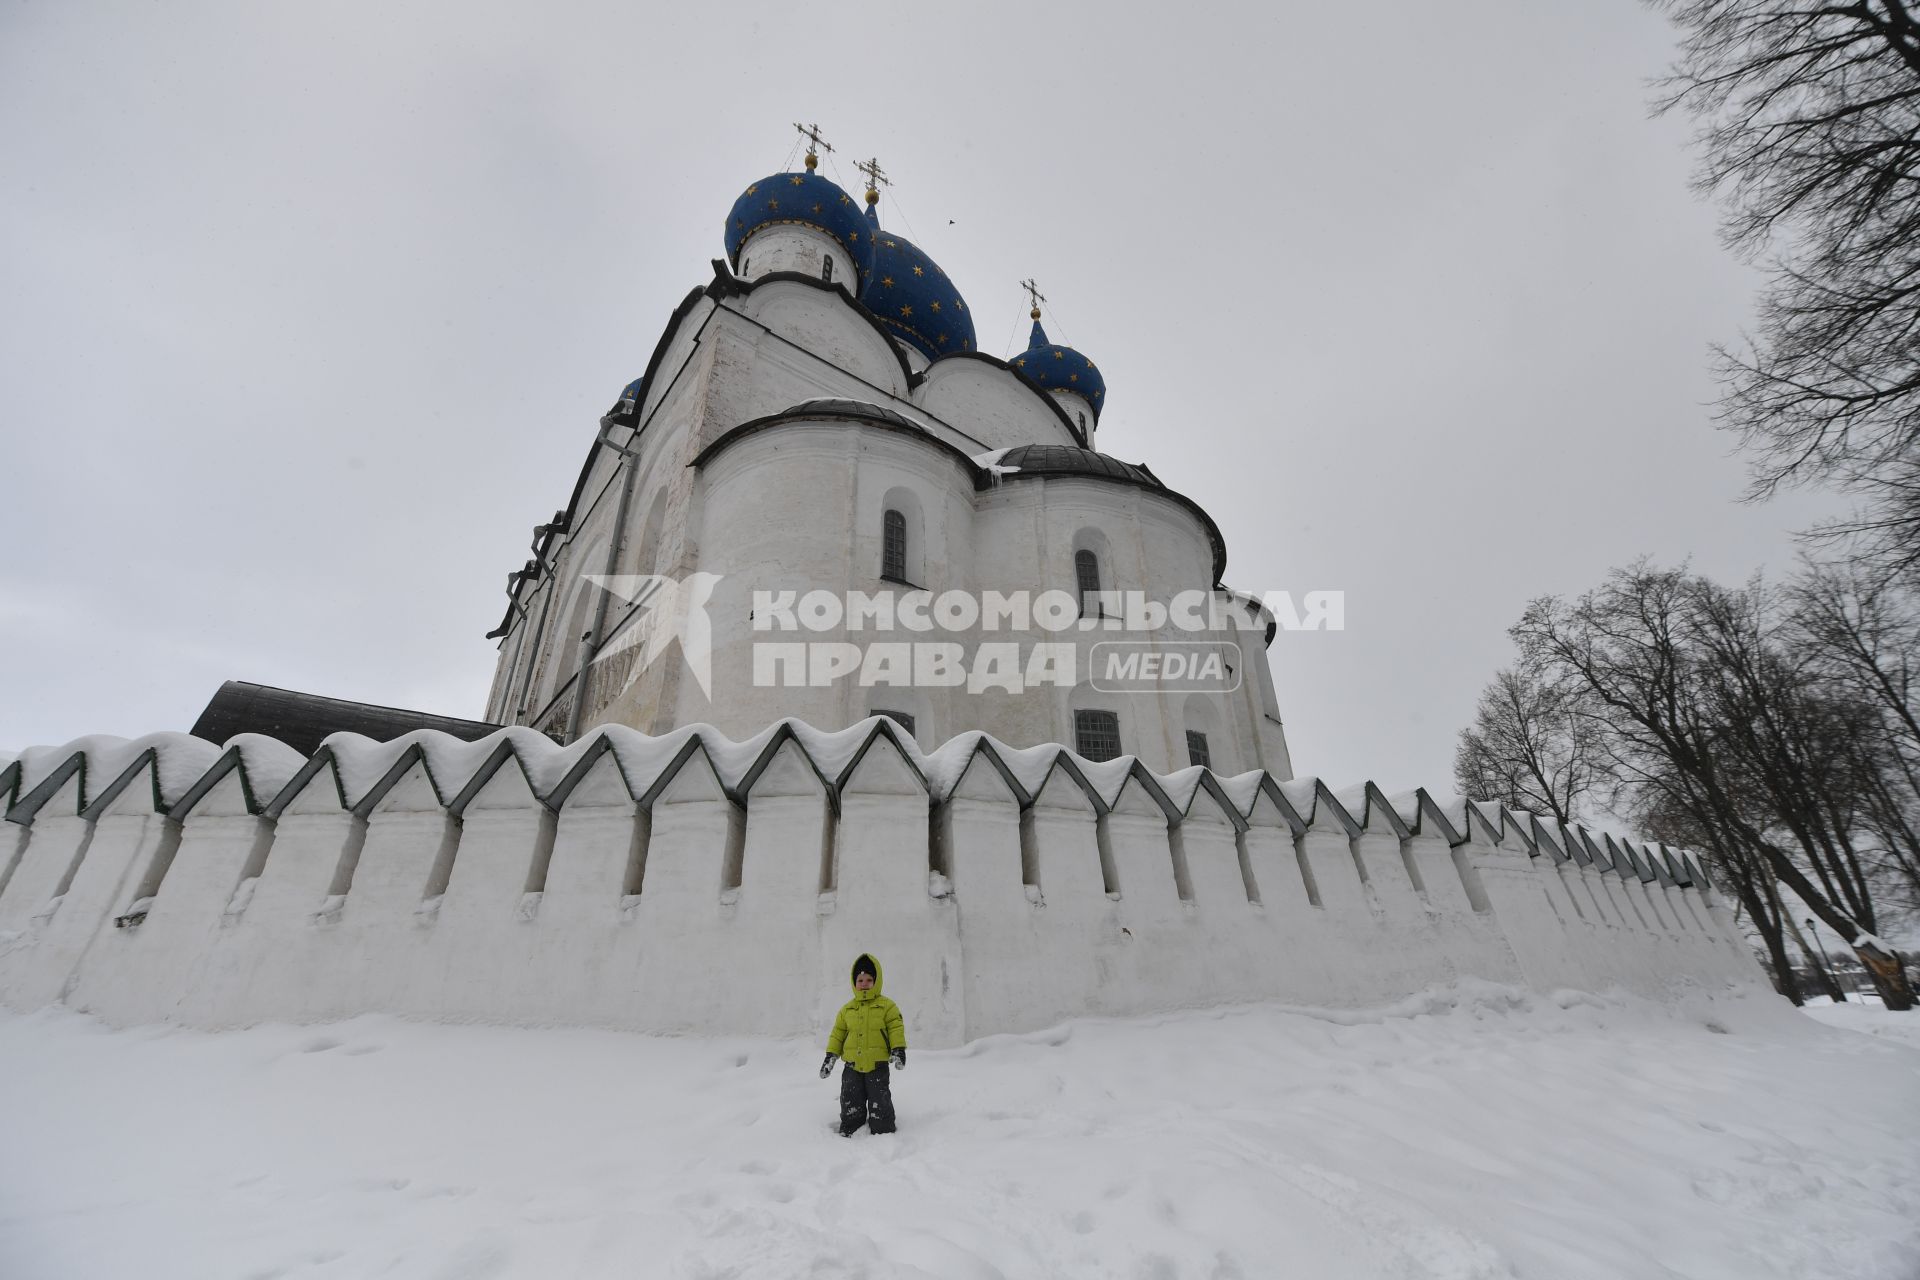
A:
x: 692, y: 883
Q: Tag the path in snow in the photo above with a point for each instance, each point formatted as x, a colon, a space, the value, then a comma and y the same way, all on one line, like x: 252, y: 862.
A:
x: 1469, y: 1133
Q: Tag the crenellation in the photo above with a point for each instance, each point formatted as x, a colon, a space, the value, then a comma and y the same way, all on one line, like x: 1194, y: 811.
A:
x: 614, y: 882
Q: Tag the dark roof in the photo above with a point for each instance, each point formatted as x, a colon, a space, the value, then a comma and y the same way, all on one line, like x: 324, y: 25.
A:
x: 843, y: 411
x: 1027, y: 461
x: 1067, y: 460
x: 303, y: 720
x: 839, y: 408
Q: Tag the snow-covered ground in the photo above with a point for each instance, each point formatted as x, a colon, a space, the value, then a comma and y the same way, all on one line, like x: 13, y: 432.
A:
x: 1471, y: 1132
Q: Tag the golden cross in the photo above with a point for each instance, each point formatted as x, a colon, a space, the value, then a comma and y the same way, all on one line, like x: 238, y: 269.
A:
x: 876, y: 176
x: 815, y: 143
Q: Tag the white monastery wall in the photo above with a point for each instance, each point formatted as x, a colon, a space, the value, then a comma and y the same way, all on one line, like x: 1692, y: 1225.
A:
x: 693, y: 883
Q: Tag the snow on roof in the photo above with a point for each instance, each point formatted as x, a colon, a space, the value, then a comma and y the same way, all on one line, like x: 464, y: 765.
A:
x: 178, y: 761
x: 366, y: 768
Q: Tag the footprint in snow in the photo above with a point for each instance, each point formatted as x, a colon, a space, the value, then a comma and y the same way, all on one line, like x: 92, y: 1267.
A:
x: 382, y: 1184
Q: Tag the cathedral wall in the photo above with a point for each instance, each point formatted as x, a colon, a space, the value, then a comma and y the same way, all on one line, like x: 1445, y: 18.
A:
x: 1080, y: 410
x: 994, y: 408
x: 797, y: 509
x: 794, y: 247
x: 1026, y: 536
x: 698, y: 884
x: 834, y: 342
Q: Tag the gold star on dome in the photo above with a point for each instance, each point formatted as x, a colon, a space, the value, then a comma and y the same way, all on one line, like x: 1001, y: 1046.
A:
x: 796, y: 179
x: 816, y: 206
x: 967, y: 344
x: 1059, y: 354
x: 752, y: 189
x: 917, y: 271
x: 892, y: 245
x: 887, y: 281
x: 1073, y: 377
x: 906, y: 311
x: 1020, y: 364
x: 845, y: 198
x: 959, y: 305
x: 773, y: 204
x: 854, y: 236
x: 943, y: 339
x: 936, y: 308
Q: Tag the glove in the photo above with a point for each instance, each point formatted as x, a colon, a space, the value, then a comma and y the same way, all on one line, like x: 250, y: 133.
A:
x: 899, y: 1059
x: 826, y: 1066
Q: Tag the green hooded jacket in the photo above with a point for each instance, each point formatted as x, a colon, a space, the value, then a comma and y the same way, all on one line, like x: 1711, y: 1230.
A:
x: 869, y: 1026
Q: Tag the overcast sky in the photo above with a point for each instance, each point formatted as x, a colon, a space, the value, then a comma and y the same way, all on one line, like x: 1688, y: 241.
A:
x: 307, y: 313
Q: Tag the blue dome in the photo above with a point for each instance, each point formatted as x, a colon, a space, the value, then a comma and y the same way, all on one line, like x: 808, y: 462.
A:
x: 1059, y: 368
x: 912, y: 296
x: 804, y: 198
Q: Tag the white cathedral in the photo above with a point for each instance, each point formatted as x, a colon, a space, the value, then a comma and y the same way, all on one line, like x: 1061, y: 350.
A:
x: 819, y: 417
x: 663, y: 839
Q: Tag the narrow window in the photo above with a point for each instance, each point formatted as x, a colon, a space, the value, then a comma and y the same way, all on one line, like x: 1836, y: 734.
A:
x: 901, y: 718
x: 1086, y: 567
x: 1083, y: 424
x: 746, y: 265
x: 826, y: 268
x: 1096, y: 734
x: 1197, y: 750
x: 893, y: 559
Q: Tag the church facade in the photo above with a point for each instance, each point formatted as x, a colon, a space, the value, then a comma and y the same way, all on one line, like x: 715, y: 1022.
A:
x: 705, y: 844
x: 819, y: 419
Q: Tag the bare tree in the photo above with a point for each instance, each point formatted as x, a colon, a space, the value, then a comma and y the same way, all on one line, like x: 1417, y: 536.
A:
x: 1810, y: 135
x: 1527, y: 748
x: 1703, y: 716
x: 1865, y: 636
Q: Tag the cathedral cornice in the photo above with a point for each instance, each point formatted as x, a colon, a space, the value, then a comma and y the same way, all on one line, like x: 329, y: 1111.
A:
x: 1052, y: 462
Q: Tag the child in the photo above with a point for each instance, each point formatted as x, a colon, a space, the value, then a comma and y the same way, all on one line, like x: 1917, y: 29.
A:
x: 869, y: 1035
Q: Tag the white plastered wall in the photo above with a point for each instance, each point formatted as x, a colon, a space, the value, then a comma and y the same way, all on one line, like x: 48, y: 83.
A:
x: 720, y: 891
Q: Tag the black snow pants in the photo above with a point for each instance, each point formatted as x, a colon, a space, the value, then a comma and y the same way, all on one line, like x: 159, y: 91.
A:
x: 866, y: 1097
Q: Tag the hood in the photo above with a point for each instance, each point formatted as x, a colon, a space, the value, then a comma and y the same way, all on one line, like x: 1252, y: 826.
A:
x: 879, y: 974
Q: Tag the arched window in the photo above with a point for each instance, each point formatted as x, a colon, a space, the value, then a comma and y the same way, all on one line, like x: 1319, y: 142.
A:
x: 746, y: 265
x: 1210, y: 738
x: 1083, y: 423
x: 893, y: 556
x: 1197, y: 752
x: 1086, y: 568
x: 1096, y: 734
x: 826, y: 268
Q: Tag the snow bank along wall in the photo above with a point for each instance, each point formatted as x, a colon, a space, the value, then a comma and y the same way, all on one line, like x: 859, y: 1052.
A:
x: 691, y: 883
